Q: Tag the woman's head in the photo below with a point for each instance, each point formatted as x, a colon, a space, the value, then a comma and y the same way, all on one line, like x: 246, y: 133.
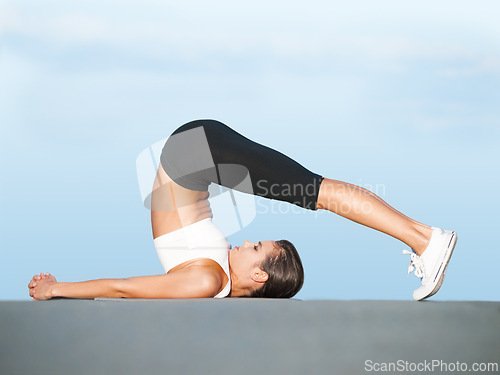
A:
x: 286, y: 274
x: 272, y: 269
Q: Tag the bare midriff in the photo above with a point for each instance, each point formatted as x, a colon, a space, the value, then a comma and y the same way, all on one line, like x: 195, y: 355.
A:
x: 174, y: 207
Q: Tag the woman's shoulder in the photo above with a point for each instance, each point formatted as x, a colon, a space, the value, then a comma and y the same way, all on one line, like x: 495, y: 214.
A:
x: 207, y: 273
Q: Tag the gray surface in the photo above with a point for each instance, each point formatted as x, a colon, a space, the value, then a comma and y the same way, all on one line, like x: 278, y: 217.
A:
x: 240, y: 336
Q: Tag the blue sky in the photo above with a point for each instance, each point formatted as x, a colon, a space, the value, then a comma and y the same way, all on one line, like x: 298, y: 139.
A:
x: 398, y: 97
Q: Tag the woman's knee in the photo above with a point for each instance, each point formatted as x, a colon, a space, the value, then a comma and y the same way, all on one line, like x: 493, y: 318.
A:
x: 208, y: 125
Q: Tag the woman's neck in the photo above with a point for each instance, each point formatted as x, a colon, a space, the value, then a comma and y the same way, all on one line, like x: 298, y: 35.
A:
x: 237, y: 289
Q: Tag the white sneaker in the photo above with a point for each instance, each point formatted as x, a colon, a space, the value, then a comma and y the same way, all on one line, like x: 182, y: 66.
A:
x: 431, y: 265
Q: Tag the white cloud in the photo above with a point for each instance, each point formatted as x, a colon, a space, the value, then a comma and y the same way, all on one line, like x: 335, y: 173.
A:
x: 458, y: 123
x: 482, y: 65
x: 382, y: 32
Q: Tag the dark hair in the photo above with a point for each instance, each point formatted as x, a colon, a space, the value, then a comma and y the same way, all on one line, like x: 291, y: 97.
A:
x: 286, y: 274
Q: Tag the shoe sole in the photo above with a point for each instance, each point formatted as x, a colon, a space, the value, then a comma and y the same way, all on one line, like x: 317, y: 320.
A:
x: 451, y: 247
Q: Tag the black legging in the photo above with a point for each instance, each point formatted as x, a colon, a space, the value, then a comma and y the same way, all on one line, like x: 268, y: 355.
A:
x: 207, y: 151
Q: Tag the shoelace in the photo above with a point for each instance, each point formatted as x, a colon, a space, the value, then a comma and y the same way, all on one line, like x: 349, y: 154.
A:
x: 416, y: 263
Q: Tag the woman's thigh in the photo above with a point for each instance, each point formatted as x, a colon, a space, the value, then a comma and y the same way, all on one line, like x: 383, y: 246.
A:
x: 207, y: 151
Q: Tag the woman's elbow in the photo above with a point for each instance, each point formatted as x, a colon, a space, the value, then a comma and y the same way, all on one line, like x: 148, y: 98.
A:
x: 122, y: 289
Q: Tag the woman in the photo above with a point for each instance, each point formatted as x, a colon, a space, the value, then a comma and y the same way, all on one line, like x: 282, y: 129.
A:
x: 196, y: 257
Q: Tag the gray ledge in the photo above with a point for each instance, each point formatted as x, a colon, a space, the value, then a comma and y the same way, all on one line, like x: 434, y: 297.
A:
x: 242, y: 336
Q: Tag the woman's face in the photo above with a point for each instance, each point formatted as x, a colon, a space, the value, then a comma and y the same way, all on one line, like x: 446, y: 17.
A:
x: 245, y: 258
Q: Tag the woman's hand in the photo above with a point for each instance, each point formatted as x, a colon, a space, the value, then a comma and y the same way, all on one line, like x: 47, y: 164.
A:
x: 40, y: 286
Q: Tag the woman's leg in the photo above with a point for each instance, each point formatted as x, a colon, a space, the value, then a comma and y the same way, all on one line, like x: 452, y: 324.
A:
x: 276, y: 176
x: 364, y: 207
x: 433, y: 246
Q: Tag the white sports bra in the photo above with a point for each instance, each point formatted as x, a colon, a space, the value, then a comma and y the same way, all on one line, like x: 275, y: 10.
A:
x: 198, y: 240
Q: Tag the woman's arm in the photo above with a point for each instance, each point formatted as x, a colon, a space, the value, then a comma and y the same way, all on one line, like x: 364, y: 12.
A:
x: 190, y: 282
